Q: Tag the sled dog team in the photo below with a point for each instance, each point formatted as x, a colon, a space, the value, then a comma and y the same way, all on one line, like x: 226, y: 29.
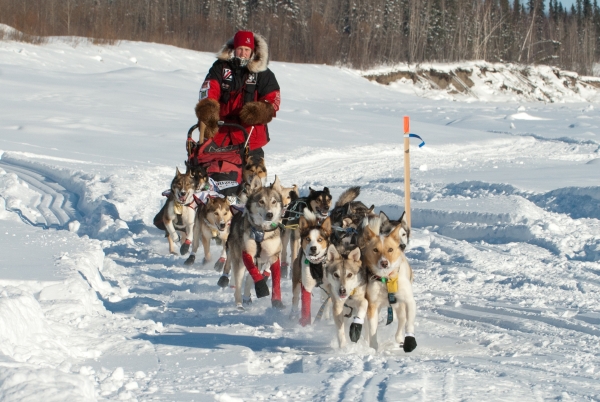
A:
x: 356, y: 257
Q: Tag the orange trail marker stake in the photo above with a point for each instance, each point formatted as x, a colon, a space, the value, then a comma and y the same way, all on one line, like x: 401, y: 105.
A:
x: 407, y: 169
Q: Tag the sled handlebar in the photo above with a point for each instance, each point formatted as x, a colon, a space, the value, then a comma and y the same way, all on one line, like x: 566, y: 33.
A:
x: 220, y: 123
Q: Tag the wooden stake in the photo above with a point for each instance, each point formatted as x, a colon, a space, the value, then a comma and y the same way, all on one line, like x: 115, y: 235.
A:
x: 407, y: 170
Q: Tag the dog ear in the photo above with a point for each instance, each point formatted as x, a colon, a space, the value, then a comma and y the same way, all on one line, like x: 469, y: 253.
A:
x: 326, y: 190
x: 177, y: 172
x: 368, y: 233
x: 277, y: 184
x: 326, y: 225
x: 395, y: 234
x: 332, y: 254
x: 296, y: 191
x: 370, y: 211
x: 354, y: 255
x: 255, y: 185
x: 383, y: 217
x: 302, y: 223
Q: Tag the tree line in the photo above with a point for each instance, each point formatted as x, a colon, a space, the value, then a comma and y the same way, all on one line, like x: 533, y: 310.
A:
x: 356, y: 33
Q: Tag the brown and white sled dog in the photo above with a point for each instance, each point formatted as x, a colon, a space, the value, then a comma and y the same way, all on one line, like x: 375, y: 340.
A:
x: 346, y: 281
x: 318, y: 202
x: 308, y: 268
x: 180, y: 211
x: 390, y: 283
x: 213, y: 221
x: 255, y: 239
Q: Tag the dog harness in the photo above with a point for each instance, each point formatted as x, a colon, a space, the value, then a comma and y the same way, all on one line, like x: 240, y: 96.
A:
x: 392, y: 288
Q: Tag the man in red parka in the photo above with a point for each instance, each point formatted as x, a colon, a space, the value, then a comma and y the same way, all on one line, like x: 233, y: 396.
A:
x: 239, y: 88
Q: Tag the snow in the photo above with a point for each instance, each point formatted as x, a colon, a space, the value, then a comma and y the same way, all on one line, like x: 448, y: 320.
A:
x: 505, y: 246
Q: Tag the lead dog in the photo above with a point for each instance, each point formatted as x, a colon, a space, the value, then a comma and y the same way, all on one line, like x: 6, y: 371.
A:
x: 180, y: 211
x: 390, y: 283
x: 308, y: 268
x: 346, y: 283
x: 255, y: 239
x: 213, y: 221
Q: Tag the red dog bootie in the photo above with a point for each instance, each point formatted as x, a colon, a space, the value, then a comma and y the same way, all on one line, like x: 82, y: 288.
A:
x: 305, y: 315
x: 260, y: 283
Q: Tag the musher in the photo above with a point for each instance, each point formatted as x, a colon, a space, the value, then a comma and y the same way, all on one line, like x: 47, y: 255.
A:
x: 239, y: 88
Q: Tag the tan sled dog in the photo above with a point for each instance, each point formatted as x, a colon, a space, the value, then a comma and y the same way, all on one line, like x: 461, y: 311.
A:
x: 213, y: 221
x: 390, y: 283
x: 180, y: 211
x: 346, y: 283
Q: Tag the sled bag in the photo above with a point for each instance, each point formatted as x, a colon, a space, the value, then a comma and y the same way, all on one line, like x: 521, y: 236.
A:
x: 222, y: 164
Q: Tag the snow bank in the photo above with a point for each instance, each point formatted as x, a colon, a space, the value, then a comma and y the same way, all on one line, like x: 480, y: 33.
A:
x: 489, y: 82
x: 44, y: 384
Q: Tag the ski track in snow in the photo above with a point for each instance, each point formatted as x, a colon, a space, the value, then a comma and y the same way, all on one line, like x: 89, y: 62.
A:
x: 55, y: 206
x: 507, y: 281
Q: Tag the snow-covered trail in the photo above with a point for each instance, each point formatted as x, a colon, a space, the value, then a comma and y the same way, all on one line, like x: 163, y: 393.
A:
x: 505, y: 245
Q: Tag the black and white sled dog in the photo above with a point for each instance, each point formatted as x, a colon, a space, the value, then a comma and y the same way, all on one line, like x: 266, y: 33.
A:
x: 308, y: 267
x: 179, y: 213
x: 390, y: 280
x: 387, y: 225
x: 255, y: 240
x: 346, y: 283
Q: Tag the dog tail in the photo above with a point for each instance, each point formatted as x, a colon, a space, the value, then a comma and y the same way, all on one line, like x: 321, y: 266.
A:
x: 347, y: 196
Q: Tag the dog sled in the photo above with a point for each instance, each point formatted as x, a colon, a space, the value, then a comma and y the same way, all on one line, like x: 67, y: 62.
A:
x: 223, y: 164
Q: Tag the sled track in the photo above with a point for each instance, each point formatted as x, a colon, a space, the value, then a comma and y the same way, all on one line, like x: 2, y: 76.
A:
x: 57, y: 206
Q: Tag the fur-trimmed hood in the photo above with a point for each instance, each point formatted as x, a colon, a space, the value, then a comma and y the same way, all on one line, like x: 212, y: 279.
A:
x: 259, y: 61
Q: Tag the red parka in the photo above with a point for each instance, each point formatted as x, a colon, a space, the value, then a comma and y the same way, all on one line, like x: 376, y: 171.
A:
x: 233, y: 86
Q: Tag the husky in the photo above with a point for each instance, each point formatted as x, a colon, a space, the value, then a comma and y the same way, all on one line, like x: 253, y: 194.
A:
x: 307, y: 272
x: 255, y: 239
x: 179, y: 213
x: 388, y: 225
x: 347, y: 285
x: 318, y: 202
x: 390, y: 283
x: 254, y: 166
x: 212, y: 222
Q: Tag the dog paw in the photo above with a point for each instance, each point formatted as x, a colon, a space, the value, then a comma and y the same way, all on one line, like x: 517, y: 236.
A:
x: 410, y: 344
x: 175, y: 237
x: 285, y: 269
x: 190, y: 260
x: 205, y: 260
x: 185, y: 247
x: 261, y: 288
x: 304, y: 321
x: 240, y: 307
x: 223, y: 281
x: 247, y: 301
x: 277, y: 305
x: 220, y: 264
x: 355, y: 330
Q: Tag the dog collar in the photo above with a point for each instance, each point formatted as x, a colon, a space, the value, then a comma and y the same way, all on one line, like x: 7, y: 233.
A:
x: 319, y: 261
x: 391, y: 283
